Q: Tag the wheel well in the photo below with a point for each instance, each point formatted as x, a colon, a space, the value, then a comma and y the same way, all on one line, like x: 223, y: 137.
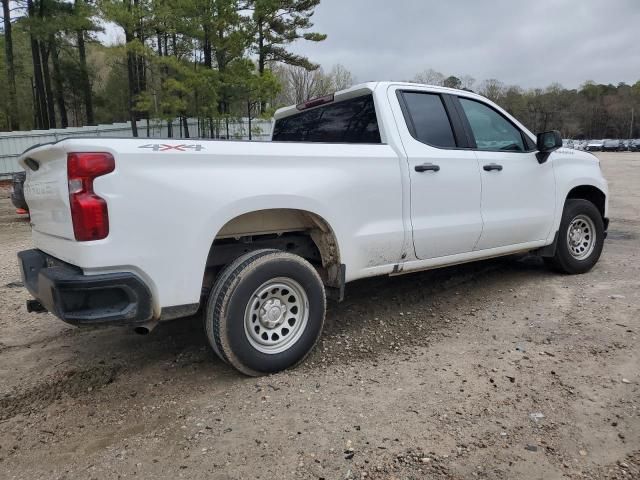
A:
x: 590, y: 193
x: 297, y: 231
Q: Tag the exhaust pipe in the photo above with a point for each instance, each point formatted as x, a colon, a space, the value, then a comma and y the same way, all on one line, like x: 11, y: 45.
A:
x: 145, y: 328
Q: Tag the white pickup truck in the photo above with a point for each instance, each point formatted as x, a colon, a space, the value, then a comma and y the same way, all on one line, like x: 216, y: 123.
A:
x: 380, y: 179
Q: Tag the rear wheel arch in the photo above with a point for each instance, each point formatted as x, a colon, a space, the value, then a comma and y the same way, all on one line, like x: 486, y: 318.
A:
x: 299, y: 231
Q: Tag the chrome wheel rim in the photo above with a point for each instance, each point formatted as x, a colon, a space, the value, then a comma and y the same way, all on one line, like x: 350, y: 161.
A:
x: 581, y: 237
x: 276, y: 315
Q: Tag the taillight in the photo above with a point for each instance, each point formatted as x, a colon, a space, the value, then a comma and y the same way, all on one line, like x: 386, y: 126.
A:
x: 88, y: 210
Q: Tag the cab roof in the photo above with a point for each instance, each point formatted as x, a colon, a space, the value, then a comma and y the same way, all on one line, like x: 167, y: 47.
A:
x: 359, y: 90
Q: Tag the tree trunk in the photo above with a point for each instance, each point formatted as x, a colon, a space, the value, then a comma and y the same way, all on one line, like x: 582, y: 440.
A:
x: 34, y: 103
x: 57, y: 82
x: 166, y: 45
x: 140, y: 65
x: 208, y: 60
x: 261, y: 51
x: 40, y: 98
x: 185, y: 126
x: 159, y: 35
x: 261, y: 60
x: 84, y: 78
x: 44, y: 62
x: 131, y: 77
x: 51, y: 112
x: 14, y: 121
x: 249, y: 117
x: 41, y: 101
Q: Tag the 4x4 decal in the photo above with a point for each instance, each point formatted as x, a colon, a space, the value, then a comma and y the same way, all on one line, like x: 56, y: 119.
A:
x: 163, y: 147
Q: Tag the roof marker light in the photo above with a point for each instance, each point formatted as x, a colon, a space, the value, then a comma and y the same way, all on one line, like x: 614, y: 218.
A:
x: 314, y: 102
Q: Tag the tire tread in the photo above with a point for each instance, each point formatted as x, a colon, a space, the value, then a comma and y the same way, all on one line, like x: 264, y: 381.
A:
x: 219, y: 299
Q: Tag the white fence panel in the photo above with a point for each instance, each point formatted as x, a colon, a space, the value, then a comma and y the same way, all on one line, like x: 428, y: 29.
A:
x: 12, y: 144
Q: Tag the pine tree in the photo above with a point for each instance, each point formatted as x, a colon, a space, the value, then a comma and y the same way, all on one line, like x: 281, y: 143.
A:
x: 14, y: 121
x: 278, y: 23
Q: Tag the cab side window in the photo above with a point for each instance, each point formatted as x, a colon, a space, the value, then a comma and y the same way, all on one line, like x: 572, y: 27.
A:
x: 491, y: 130
x: 427, y: 119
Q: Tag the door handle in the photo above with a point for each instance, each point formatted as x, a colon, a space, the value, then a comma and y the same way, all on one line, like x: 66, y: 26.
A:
x: 492, y: 166
x: 427, y: 167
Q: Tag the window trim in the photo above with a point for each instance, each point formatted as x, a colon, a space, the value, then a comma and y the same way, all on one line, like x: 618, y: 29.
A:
x: 469, y: 131
x: 459, y: 135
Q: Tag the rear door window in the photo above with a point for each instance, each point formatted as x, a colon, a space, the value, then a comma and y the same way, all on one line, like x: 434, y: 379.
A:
x: 427, y: 119
x: 348, y: 121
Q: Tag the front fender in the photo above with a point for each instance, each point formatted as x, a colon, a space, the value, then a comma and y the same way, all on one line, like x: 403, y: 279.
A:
x: 574, y: 170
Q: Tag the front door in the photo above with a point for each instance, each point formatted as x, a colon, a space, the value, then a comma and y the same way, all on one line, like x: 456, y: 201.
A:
x: 518, y: 193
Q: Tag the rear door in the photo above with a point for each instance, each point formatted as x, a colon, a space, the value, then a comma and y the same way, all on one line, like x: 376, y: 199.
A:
x: 518, y: 193
x: 443, y: 171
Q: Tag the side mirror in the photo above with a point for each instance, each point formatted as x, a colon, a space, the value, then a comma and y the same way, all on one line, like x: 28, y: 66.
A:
x: 546, y: 143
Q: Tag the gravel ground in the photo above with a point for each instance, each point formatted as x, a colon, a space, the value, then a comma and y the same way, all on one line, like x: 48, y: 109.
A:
x: 498, y: 370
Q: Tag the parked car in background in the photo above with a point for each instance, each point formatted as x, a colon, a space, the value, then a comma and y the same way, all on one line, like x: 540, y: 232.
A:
x: 579, y: 145
x: 594, y: 146
x: 634, y: 145
x: 17, y: 191
x: 612, y: 146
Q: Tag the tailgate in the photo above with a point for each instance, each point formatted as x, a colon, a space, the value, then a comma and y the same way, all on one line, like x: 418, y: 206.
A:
x: 46, y: 190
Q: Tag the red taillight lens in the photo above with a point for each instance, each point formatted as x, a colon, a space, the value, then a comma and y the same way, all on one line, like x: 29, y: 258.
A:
x: 88, y: 211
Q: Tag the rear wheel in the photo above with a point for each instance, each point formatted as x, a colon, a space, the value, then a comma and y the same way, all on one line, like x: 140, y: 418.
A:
x: 580, y: 238
x: 265, y: 312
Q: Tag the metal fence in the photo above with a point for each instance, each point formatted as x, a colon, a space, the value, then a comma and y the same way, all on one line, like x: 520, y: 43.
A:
x: 12, y: 144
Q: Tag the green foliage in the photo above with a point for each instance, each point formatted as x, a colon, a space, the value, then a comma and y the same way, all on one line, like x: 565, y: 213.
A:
x: 278, y: 23
x: 221, y: 59
x: 452, y: 82
x: 111, y: 98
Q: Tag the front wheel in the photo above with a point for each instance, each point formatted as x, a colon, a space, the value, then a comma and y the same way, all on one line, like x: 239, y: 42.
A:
x: 580, y: 238
x: 265, y: 312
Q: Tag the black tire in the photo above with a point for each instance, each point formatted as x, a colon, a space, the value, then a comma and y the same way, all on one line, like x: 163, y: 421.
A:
x: 232, y: 296
x: 563, y: 260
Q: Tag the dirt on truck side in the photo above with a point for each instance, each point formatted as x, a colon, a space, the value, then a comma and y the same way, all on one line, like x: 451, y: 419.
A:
x: 499, y: 370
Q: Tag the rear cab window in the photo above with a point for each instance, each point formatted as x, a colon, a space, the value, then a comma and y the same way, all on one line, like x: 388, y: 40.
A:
x: 347, y: 121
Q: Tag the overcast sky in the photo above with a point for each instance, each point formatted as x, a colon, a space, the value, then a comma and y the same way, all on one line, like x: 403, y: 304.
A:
x: 529, y: 43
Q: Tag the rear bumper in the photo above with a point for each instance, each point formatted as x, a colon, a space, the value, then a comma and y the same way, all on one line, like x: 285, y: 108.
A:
x: 78, y: 299
x: 18, y: 200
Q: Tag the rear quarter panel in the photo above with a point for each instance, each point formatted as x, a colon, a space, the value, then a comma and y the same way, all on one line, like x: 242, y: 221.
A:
x: 166, y: 207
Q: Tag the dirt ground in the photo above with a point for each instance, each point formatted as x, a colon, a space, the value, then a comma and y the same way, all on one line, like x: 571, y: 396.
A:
x: 499, y: 370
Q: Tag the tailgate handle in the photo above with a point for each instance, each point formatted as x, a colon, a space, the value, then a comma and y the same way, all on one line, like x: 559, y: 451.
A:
x: 31, y: 163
